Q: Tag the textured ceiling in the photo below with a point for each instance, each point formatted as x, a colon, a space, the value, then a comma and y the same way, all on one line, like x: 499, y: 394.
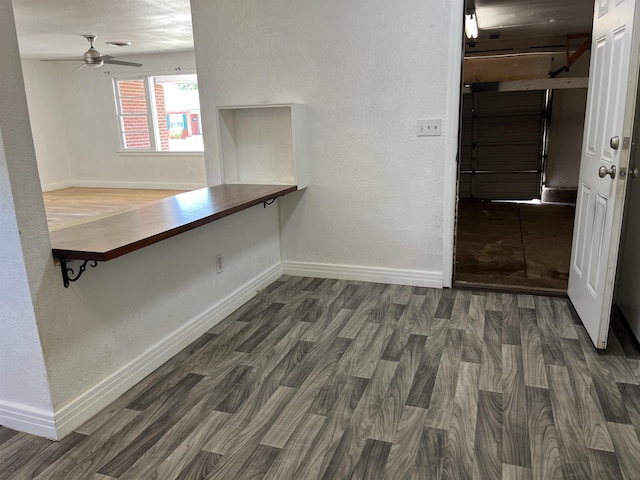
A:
x: 54, y: 29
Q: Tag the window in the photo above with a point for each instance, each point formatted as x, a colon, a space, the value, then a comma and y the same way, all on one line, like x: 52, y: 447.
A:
x: 159, y: 113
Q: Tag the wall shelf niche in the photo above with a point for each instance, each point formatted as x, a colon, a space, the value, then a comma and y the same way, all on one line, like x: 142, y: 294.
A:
x: 263, y: 144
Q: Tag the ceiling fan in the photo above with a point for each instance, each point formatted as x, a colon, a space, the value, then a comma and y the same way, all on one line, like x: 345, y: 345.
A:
x: 93, y: 58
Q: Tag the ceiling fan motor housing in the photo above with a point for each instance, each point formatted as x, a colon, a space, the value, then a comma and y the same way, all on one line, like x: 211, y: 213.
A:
x: 93, y: 57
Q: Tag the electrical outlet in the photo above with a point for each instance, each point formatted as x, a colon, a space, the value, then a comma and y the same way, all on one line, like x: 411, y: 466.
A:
x: 219, y: 264
x: 429, y: 127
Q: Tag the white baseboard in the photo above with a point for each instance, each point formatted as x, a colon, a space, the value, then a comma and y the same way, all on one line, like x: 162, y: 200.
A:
x: 27, y: 419
x: 415, y: 278
x: 92, y: 401
x: 56, y: 186
x: 141, y: 185
x: 82, y: 408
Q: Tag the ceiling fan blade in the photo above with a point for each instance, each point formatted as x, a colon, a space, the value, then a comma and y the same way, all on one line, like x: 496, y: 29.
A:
x: 120, y: 62
x: 79, y: 67
x: 62, y: 60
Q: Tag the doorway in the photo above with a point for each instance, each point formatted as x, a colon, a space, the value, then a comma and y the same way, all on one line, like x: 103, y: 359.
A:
x: 522, y: 118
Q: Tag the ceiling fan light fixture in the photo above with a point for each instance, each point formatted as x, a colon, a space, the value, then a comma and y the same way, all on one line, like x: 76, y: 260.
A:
x: 93, y: 58
x: 118, y: 44
x: 471, y: 25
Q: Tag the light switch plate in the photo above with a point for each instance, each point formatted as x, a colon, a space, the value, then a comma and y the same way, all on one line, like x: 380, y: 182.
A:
x: 429, y: 127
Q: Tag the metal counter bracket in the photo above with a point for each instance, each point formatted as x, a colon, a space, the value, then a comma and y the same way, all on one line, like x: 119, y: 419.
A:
x: 68, y: 273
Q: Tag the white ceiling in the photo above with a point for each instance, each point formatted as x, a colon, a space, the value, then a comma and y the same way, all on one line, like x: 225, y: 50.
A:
x: 54, y: 28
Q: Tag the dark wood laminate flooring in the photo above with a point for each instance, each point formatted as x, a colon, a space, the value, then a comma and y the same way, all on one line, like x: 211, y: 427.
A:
x: 333, y: 379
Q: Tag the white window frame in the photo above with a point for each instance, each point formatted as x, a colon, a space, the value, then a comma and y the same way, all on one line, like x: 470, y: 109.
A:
x: 152, y: 115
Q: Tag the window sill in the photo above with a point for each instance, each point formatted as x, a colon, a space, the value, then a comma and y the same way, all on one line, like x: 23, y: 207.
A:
x: 149, y: 153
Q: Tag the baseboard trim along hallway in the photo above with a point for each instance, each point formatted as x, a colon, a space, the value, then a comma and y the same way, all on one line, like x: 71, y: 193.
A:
x: 392, y: 276
x: 28, y: 419
x: 78, y: 411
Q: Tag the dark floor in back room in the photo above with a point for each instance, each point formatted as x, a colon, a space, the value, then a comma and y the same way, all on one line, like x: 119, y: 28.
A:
x: 515, y: 245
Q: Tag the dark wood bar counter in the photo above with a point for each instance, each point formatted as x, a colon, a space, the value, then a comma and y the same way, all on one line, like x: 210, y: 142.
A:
x: 110, y: 237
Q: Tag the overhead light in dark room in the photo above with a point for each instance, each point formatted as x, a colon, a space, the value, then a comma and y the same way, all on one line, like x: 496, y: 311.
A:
x: 471, y: 25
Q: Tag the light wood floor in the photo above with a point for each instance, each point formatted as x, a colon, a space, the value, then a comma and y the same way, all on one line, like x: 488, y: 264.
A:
x: 337, y: 380
x: 71, y: 205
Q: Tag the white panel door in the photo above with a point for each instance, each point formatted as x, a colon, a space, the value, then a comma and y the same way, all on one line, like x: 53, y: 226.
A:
x: 609, y: 119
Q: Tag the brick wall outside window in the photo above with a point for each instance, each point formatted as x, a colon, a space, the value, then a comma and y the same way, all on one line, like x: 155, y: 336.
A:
x: 163, y: 131
x: 133, y: 107
x: 136, y: 124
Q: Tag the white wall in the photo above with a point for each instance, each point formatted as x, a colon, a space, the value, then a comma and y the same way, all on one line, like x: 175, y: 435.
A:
x: 73, y: 116
x: 627, y: 290
x: 567, y: 125
x: 627, y: 286
x: 20, y: 353
x: 123, y: 315
x: 380, y: 201
x: 89, y: 343
x: 46, y: 113
x: 565, y: 138
x: 23, y: 379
